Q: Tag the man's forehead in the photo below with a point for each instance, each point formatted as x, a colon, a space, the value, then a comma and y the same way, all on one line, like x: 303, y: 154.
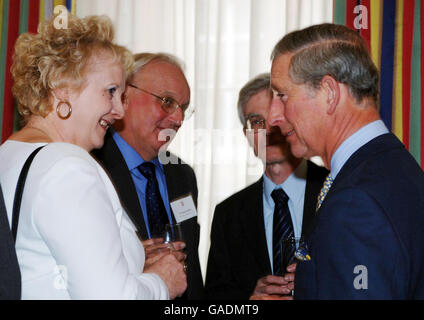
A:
x: 280, y: 82
x: 278, y: 85
x: 160, y: 71
x: 166, y: 78
x: 280, y: 69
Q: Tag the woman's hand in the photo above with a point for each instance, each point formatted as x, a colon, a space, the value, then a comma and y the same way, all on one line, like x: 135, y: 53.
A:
x: 168, y: 263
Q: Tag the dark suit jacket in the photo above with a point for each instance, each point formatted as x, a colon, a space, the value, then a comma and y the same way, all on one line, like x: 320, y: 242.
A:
x: 10, y: 275
x: 368, y: 241
x: 180, y: 180
x: 238, y: 256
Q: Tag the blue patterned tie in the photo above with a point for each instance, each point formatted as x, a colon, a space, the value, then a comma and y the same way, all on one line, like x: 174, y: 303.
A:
x: 282, y: 229
x: 156, y: 212
x: 324, y: 190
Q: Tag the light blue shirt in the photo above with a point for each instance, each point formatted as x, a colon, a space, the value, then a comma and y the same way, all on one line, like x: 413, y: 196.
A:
x: 133, y: 160
x: 354, y: 142
x: 294, y: 186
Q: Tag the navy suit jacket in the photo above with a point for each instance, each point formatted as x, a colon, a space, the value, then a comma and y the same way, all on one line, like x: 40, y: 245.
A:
x: 238, y: 256
x: 180, y: 181
x: 10, y: 275
x: 368, y: 240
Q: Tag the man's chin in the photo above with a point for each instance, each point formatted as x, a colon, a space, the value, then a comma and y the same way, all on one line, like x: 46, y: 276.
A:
x: 161, y: 146
x: 166, y: 134
x: 298, y: 151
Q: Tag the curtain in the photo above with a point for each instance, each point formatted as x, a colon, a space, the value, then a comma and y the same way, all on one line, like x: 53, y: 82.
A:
x: 394, y: 31
x: 223, y: 43
x: 16, y: 17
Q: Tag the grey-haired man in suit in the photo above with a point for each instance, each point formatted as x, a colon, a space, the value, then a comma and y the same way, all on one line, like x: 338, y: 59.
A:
x: 242, y: 260
x: 157, y: 98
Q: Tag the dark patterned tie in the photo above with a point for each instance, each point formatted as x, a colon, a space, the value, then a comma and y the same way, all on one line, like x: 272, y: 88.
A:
x: 282, y: 229
x: 156, y: 212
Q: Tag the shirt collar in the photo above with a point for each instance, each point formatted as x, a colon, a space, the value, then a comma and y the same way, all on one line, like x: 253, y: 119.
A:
x: 354, y: 142
x: 291, y: 185
x: 131, y: 157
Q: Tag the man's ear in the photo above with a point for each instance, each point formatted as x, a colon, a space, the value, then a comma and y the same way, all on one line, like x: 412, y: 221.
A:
x: 332, y: 91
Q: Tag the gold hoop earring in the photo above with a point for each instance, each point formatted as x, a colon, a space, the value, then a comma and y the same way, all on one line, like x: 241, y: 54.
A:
x: 59, y: 110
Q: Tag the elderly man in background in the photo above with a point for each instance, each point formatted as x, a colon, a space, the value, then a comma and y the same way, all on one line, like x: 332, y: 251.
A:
x: 368, y: 239
x: 157, y: 98
x: 248, y: 228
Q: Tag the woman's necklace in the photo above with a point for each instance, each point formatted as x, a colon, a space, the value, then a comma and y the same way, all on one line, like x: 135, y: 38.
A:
x: 30, y: 127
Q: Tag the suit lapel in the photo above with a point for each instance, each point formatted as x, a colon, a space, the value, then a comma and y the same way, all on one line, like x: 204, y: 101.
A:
x: 314, y: 180
x: 170, y: 183
x: 252, y: 221
x: 176, y: 189
x: 172, y: 189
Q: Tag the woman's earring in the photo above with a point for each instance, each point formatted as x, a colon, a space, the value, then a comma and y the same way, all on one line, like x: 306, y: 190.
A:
x: 64, y: 110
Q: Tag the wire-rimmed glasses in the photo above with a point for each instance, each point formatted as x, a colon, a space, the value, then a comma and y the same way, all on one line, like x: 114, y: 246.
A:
x: 168, y: 104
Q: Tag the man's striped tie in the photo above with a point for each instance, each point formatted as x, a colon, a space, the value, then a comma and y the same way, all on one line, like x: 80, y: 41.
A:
x: 282, y: 229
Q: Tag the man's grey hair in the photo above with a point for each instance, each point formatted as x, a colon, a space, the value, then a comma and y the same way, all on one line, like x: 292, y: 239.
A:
x: 329, y: 49
x: 254, y: 86
x: 141, y: 59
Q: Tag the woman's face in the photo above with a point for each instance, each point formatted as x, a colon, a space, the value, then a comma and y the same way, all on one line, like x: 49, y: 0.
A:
x: 97, y: 105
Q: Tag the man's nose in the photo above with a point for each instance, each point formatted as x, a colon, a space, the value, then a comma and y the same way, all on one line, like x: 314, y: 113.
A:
x: 276, y: 113
x: 177, y: 117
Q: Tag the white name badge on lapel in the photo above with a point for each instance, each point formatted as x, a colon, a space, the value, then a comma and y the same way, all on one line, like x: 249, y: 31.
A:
x: 184, y: 208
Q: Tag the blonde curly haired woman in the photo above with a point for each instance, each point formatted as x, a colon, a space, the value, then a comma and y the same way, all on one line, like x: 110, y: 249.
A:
x: 74, y: 239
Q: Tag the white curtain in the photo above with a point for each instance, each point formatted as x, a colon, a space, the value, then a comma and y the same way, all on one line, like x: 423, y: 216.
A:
x: 223, y: 43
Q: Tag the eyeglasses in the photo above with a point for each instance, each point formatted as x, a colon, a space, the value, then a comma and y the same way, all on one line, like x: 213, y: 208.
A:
x: 168, y: 104
x: 255, y: 122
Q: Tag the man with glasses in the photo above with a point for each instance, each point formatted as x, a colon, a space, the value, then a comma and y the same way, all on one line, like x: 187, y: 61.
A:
x: 244, y: 255
x: 158, y: 99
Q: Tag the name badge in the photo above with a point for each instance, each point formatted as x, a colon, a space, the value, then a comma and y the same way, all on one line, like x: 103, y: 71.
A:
x: 183, y: 208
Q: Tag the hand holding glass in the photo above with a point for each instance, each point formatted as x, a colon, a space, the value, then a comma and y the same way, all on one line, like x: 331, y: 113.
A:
x: 173, y: 235
x: 289, y: 246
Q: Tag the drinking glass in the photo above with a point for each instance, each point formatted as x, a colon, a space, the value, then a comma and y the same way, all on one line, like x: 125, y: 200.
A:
x: 172, y: 234
x: 289, y: 247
